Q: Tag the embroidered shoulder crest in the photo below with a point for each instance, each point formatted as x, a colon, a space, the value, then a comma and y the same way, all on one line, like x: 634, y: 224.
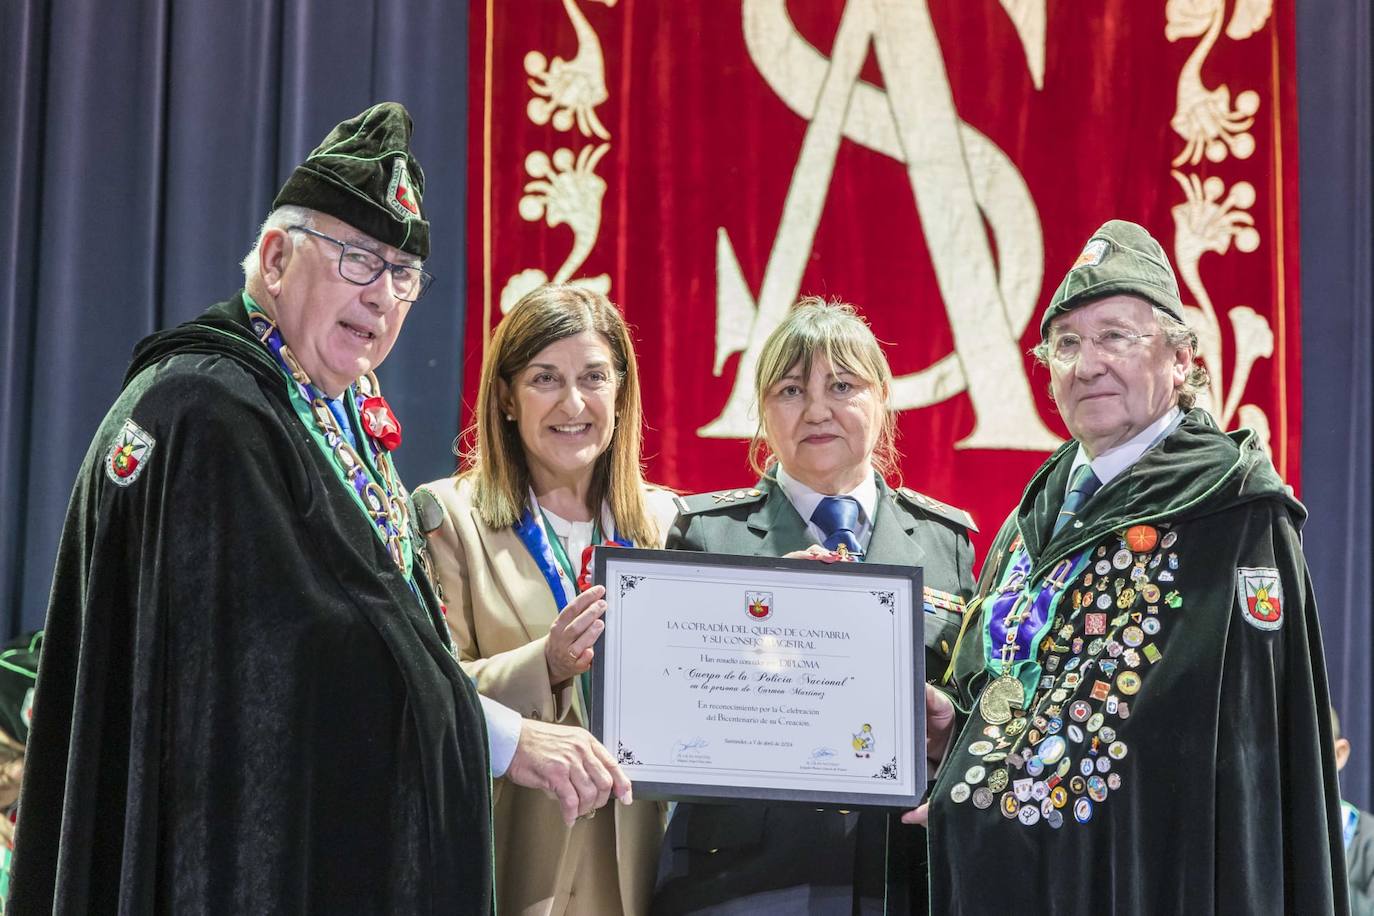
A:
x: 129, y: 455
x: 1259, y: 593
x: 935, y: 507
x: 704, y: 502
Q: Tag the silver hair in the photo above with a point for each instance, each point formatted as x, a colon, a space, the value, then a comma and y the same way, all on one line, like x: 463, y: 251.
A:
x: 1177, y: 335
x: 280, y: 218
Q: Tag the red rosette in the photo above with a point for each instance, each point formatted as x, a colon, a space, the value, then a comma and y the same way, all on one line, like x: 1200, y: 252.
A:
x: 584, y: 578
x: 380, y: 422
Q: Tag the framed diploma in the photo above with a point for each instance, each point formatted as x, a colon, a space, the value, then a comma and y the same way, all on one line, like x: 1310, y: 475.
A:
x: 722, y: 677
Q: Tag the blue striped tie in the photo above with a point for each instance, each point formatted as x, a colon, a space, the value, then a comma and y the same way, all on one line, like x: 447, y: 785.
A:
x: 1081, y: 488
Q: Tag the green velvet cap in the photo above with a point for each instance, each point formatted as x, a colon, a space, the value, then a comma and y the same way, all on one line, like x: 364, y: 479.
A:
x: 364, y: 174
x: 1120, y: 258
x: 18, y: 674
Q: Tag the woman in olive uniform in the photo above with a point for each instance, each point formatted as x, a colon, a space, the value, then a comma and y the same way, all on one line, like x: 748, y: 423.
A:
x: 823, y: 450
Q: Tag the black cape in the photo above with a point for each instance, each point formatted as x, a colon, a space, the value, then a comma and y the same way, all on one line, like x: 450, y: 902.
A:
x: 243, y: 707
x: 1213, y: 783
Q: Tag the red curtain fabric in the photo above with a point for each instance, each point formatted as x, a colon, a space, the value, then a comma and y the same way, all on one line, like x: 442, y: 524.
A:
x: 938, y: 163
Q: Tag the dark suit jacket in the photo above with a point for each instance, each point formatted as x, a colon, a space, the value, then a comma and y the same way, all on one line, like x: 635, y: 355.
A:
x: 808, y: 860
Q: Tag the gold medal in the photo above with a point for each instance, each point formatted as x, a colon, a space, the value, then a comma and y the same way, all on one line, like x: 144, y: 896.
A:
x: 1000, y: 698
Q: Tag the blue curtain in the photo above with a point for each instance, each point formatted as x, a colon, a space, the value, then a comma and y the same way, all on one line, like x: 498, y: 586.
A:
x: 145, y: 143
x: 1337, y: 174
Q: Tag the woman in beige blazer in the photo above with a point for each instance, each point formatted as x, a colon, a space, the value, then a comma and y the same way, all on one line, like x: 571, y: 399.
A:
x: 555, y: 470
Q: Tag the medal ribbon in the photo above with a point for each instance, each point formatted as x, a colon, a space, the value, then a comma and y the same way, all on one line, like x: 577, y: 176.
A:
x: 369, y: 481
x: 531, y: 534
x: 560, y: 554
x: 1039, y: 601
x: 549, y: 555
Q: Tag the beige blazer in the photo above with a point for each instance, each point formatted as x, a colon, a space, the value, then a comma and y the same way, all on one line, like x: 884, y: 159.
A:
x: 499, y: 610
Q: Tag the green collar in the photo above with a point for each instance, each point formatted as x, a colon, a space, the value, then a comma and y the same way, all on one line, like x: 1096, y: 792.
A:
x: 379, y: 467
x: 1196, y: 470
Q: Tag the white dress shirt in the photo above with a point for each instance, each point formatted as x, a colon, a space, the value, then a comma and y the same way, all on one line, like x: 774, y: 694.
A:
x: 805, y: 500
x: 575, y: 537
x: 503, y: 734
x: 1114, y: 461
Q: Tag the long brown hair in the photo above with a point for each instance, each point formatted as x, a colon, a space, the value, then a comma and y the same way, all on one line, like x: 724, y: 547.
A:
x: 497, y: 464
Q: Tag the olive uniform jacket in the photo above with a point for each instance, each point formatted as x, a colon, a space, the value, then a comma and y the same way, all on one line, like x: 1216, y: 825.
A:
x: 800, y: 859
x: 499, y: 610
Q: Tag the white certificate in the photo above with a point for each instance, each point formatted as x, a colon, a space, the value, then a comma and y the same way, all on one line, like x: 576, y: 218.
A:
x: 729, y: 677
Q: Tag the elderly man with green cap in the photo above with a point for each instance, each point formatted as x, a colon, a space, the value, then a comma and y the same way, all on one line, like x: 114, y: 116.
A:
x: 249, y: 702
x: 1138, y: 719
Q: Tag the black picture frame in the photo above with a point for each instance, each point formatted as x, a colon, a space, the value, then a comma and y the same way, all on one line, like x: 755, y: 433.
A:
x: 912, y: 655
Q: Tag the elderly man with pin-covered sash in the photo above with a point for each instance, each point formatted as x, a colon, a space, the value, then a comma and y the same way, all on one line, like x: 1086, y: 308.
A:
x: 1141, y: 697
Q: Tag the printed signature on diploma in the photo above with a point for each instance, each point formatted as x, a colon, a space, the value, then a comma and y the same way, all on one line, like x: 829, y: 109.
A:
x: 689, y: 745
x: 821, y: 753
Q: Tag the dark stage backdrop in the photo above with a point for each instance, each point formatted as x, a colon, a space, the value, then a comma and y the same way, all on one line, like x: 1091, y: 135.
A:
x: 1335, y: 43
x: 144, y: 144
x: 147, y: 138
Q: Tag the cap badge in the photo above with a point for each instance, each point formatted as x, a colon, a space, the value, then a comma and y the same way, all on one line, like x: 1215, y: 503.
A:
x: 1092, y: 254
x: 400, y: 194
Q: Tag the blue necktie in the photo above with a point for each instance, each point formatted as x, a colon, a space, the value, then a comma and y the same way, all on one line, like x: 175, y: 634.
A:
x: 837, y: 516
x: 1081, y: 488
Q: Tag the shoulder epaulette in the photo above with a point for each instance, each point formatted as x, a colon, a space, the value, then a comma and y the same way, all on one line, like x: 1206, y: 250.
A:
x: 935, y: 507
x: 704, y: 502
x: 428, y: 514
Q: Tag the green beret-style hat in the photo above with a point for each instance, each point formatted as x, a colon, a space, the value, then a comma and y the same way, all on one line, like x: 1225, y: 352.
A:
x: 1120, y: 258
x: 364, y: 174
x: 18, y: 674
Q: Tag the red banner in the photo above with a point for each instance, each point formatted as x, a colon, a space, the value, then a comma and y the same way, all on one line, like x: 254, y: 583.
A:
x: 939, y: 163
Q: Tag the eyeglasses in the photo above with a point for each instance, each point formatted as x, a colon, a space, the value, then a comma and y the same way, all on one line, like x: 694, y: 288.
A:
x: 360, y: 266
x: 1066, y: 348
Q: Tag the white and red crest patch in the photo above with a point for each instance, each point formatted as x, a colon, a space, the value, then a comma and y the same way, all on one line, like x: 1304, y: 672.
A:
x: 401, y: 195
x: 129, y: 455
x: 1092, y: 254
x: 1259, y: 592
x: 760, y: 605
